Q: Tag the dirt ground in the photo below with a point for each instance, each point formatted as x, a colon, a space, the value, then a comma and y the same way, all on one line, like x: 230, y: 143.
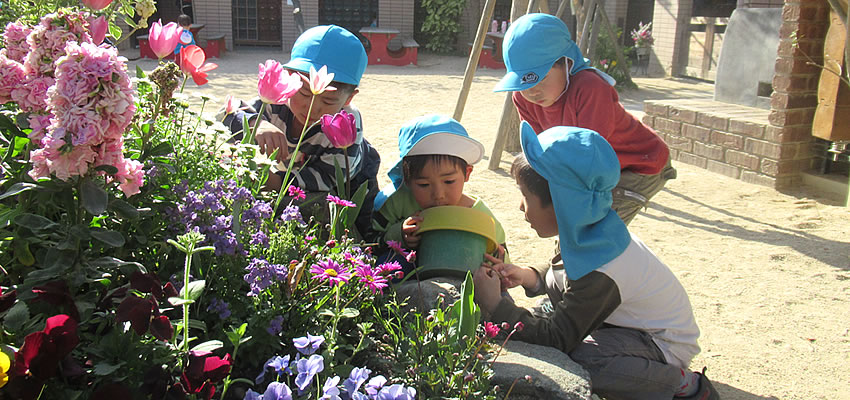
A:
x: 768, y: 273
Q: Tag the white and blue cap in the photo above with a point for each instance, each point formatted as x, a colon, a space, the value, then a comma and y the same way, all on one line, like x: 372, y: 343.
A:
x: 531, y: 46
x: 331, y: 46
x: 581, y: 169
x: 430, y: 134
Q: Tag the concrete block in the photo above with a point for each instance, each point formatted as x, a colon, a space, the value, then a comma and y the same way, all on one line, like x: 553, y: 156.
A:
x: 723, y: 169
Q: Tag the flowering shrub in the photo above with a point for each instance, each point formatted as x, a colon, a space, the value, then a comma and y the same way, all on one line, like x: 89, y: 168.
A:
x: 643, y: 35
x: 141, y: 257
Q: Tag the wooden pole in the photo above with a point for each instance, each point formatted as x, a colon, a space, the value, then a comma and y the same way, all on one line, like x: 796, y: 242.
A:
x: 474, y: 56
x: 562, y: 7
x: 532, y: 7
x: 509, y: 121
x: 587, y: 15
x: 544, y: 6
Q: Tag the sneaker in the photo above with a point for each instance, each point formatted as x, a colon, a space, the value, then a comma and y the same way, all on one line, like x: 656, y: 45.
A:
x: 706, y: 390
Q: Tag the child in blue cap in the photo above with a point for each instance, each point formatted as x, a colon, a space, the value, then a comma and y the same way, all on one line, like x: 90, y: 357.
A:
x: 619, y: 311
x: 436, y: 157
x: 344, y: 56
x: 553, y: 85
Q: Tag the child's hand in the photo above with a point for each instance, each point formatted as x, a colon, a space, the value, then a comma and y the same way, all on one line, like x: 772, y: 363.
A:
x: 271, y: 138
x: 510, y: 275
x: 410, y: 229
x: 487, y: 288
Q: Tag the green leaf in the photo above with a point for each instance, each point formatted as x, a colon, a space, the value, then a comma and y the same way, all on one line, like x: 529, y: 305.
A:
x: 93, y: 197
x: 349, y: 313
x: 59, y: 259
x: 104, y: 368
x: 17, y: 316
x: 23, y: 253
x: 177, y: 301
x: 33, y: 222
x: 123, y: 209
x: 132, y: 24
x: 140, y: 73
x: 112, y: 263
x: 108, y: 169
x: 467, y: 312
x: 210, y: 345
x: 111, y: 238
x: 161, y: 149
x: 17, y: 188
x: 115, y: 30
x: 195, y: 289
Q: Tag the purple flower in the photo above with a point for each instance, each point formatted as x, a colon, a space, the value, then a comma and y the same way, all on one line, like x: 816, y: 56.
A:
x: 340, y: 202
x: 292, y: 213
x: 260, y: 239
x: 275, y: 326
x: 388, y: 268
x: 331, y: 271
x: 307, y: 369
x: 280, y: 365
x: 375, y: 384
x: 219, y: 306
x: 252, y: 395
x: 355, y: 379
x: 308, y: 344
x: 277, y: 391
x: 262, y: 274
x: 329, y: 390
x: 397, y: 392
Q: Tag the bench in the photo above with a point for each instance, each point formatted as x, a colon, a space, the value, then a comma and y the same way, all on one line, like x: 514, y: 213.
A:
x: 380, y: 51
x: 488, y: 59
x: 215, y: 46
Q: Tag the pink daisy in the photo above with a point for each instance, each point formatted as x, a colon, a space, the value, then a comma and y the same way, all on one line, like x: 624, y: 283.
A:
x: 331, y: 271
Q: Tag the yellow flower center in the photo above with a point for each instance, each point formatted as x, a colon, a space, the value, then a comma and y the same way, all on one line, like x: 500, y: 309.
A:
x: 331, y: 272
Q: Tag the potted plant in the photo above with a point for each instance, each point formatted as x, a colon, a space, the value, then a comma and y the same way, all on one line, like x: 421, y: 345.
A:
x: 643, y: 38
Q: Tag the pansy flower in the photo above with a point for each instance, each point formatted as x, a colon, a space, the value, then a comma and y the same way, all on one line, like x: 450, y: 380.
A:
x: 308, y: 344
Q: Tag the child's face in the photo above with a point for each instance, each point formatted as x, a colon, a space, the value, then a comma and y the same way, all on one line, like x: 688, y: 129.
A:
x: 439, y: 184
x: 329, y: 102
x: 541, y: 218
x: 545, y: 93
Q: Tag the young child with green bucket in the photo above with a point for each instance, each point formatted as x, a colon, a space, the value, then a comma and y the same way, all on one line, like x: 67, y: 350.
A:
x: 436, y: 161
x: 620, y: 312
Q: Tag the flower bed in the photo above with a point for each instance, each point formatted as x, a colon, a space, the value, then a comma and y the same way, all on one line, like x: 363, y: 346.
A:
x: 141, y: 257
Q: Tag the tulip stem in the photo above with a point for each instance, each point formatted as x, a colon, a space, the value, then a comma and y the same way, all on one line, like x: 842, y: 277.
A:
x: 347, y: 174
x: 285, y: 184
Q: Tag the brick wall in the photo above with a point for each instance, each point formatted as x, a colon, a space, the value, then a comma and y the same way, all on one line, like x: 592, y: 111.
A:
x: 794, y: 98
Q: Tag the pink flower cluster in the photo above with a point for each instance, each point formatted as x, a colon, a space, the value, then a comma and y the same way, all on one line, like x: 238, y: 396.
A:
x: 92, y: 105
x: 78, y: 95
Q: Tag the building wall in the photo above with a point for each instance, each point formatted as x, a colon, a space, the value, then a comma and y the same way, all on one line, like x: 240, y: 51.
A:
x: 670, y: 21
x: 289, y: 32
x: 217, y: 17
x: 396, y: 14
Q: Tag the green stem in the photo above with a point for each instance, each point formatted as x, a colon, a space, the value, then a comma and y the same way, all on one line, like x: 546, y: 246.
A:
x: 293, y: 156
x: 189, y: 251
x: 347, y: 175
x: 332, y: 347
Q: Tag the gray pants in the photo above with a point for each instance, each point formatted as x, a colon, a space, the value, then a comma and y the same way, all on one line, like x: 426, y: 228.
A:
x: 634, y: 191
x: 626, y: 364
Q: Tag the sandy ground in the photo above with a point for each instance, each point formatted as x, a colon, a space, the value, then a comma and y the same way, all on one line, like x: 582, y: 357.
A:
x: 768, y: 273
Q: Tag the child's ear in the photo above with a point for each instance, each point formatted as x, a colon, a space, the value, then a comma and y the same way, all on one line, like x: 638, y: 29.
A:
x: 351, y: 96
x: 468, y: 173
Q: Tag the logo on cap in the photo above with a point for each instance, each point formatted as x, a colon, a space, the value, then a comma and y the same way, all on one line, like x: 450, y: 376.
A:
x: 530, y: 77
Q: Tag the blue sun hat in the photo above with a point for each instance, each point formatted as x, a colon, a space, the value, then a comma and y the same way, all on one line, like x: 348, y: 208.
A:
x: 531, y: 46
x: 331, y: 46
x: 430, y: 134
x: 582, y: 169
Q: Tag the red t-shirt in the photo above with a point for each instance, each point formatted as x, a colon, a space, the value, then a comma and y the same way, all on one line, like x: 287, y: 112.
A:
x: 592, y: 103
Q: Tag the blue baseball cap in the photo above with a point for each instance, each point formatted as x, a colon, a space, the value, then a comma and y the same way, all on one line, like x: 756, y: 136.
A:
x: 581, y: 169
x: 531, y: 46
x: 331, y: 46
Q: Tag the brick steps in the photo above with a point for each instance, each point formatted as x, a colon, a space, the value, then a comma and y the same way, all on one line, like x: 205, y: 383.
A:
x: 730, y: 139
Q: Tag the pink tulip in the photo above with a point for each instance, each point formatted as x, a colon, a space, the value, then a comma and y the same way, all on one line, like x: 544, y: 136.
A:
x: 191, y: 61
x: 231, y: 104
x: 97, y: 4
x: 340, y: 129
x: 163, y: 39
x: 98, y: 28
x: 275, y: 85
x: 320, y: 81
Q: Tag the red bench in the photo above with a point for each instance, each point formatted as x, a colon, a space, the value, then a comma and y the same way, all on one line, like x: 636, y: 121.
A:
x: 215, y: 46
x: 379, y: 51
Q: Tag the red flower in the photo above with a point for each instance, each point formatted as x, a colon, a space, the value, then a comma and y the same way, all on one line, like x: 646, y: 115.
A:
x: 7, y: 300
x: 57, y: 294
x: 97, y: 5
x: 491, y: 330
x: 191, y: 61
x: 161, y: 328
x: 138, y: 311
x: 42, y: 351
x: 204, y: 371
x: 146, y: 283
x: 340, y: 129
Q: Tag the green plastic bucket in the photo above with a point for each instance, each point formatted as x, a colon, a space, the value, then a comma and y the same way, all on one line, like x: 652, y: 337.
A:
x: 448, y: 252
